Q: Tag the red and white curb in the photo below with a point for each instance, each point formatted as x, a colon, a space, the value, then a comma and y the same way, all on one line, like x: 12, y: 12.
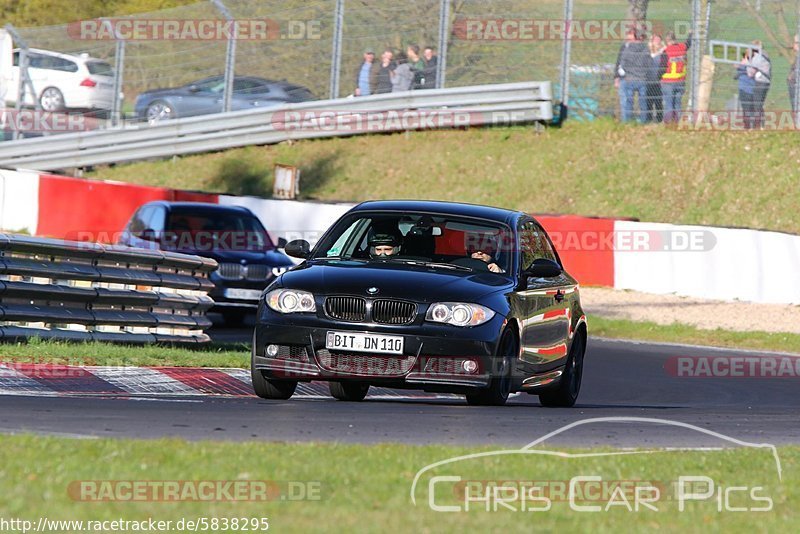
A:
x: 66, y: 380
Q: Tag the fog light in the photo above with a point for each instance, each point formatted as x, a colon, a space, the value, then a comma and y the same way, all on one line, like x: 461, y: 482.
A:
x: 470, y: 366
x: 272, y: 350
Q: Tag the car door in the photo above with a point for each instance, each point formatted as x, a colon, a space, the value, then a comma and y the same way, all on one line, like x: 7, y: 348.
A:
x: 543, y: 302
x: 201, y: 98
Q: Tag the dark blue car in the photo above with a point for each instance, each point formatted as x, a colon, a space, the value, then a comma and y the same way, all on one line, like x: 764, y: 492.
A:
x: 232, y: 235
x: 437, y: 296
x: 205, y: 96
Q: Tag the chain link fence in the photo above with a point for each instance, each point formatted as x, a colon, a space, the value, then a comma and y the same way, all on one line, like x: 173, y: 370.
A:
x: 320, y: 45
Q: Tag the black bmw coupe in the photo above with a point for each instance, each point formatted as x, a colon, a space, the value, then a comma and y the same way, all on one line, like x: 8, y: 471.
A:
x: 437, y: 296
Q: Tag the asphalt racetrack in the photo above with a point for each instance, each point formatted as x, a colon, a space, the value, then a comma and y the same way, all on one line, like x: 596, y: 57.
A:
x: 621, y: 380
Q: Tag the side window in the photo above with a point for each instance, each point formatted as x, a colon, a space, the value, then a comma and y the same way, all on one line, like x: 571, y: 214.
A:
x: 64, y: 65
x: 155, y: 218
x: 138, y: 221
x: 16, y: 58
x: 534, y: 244
x: 37, y: 61
x: 248, y: 87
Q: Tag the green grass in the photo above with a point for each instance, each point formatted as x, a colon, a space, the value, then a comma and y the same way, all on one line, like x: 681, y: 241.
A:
x: 681, y: 333
x: 599, y: 169
x: 37, y: 351
x: 367, y: 488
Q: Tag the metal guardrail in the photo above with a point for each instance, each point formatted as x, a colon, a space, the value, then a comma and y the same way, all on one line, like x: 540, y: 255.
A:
x: 480, y: 105
x: 69, y: 290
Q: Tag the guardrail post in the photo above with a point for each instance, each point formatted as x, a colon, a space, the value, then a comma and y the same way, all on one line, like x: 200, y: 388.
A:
x: 119, y: 67
x: 796, y: 87
x: 230, y: 56
x: 444, y: 25
x: 566, y: 53
x: 25, y: 83
x: 336, y: 53
x: 695, y: 62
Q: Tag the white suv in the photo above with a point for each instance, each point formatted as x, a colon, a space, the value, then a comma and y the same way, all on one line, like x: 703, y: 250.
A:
x: 64, y: 81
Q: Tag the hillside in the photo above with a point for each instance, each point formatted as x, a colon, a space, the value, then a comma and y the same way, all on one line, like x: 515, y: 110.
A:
x: 601, y: 168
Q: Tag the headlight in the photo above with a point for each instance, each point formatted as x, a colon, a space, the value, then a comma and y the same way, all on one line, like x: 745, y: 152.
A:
x: 290, y: 301
x: 458, y: 313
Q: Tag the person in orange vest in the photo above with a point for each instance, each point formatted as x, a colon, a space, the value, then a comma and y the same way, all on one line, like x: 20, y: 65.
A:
x: 673, y: 81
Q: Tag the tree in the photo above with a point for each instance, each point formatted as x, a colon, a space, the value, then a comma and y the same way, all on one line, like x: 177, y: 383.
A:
x: 637, y: 10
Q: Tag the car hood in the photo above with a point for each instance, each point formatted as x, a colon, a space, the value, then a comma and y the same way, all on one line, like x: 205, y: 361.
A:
x: 273, y: 258
x: 416, y: 283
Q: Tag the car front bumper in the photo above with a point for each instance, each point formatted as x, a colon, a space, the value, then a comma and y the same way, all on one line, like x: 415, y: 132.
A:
x: 432, y: 356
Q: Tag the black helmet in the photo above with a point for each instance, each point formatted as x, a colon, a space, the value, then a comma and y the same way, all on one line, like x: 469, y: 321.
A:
x: 383, y: 240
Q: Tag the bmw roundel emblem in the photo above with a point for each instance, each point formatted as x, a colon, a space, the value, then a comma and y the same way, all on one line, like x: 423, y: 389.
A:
x: 373, y: 290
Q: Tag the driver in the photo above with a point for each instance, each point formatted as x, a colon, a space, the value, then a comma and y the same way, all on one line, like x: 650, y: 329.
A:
x: 485, y: 249
x: 383, y: 245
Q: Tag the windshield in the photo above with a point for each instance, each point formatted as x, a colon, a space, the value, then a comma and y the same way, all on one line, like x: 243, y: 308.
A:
x: 439, y: 241
x: 212, y: 229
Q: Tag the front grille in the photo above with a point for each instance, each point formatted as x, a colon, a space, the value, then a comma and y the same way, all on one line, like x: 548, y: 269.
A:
x: 393, y: 312
x: 365, y: 364
x: 257, y: 272
x: 230, y: 271
x: 352, y: 309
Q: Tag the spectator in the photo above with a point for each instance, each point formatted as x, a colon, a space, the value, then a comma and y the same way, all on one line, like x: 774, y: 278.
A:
x: 793, y: 80
x: 417, y: 65
x: 365, y: 77
x: 746, y: 87
x: 633, y: 64
x: 402, y: 75
x: 760, y: 69
x: 428, y: 79
x: 383, y: 77
x: 655, y: 107
x: 673, y: 81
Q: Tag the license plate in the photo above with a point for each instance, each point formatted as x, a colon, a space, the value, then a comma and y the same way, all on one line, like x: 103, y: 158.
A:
x: 242, y: 294
x: 358, y: 342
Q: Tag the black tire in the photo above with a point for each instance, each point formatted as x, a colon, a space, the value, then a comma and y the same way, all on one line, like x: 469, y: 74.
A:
x: 157, y: 111
x: 52, y: 99
x: 565, y: 393
x: 234, y: 317
x: 349, y: 391
x: 268, y: 388
x: 500, y: 386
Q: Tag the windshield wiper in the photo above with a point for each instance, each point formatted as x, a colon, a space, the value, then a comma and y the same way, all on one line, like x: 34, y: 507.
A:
x: 448, y: 266
x: 423, y: 263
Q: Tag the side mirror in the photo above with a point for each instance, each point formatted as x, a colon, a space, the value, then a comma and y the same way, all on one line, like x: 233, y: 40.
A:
x: 543, y: 268
x: 194, y: 89
x: 282, y: 242
x: 299, y: 248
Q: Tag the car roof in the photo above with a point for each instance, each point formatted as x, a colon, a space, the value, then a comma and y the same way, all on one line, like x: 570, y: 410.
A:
x: 198, y: 205
x: 75, y: 57
x: 446, y: 208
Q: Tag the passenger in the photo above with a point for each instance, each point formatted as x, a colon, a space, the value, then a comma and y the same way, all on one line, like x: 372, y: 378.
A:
x: 384, y: 245
x: 485, y: 250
